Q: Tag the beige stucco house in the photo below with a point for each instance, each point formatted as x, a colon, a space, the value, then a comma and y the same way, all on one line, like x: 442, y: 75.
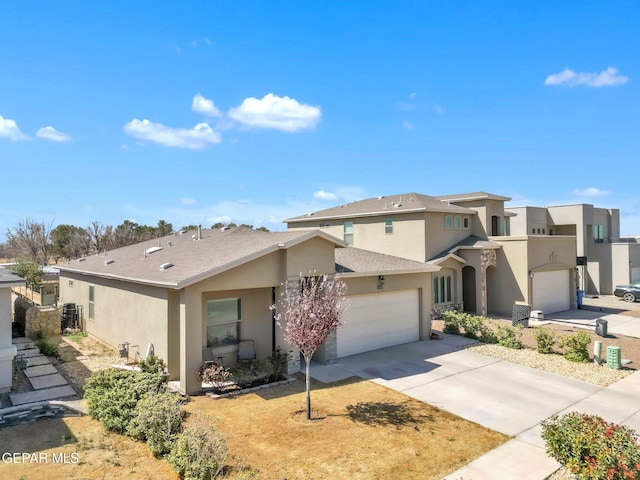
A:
x: 8, y: 280
x: 604, y: 258
x: 483, y: 268
x: 209, y: 289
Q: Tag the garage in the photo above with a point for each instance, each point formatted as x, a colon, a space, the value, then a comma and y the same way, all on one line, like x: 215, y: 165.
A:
x: 551, y: 291
x: 635, y: 274
x: 379, y: 320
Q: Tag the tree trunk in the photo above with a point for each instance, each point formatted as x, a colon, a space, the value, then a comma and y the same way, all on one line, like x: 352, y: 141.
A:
x: 308, y: 361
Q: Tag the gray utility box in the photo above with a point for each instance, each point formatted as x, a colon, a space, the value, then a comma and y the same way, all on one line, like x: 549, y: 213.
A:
x: 601, y: 327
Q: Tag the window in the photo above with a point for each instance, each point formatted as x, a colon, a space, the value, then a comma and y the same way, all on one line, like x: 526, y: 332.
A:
x: 598, y: 233
x: 448, y: 221
x: 506, y: 229
x: 71, y: 283
x: 533, y: 231
x: 348, y: 233
x: 457, y: 222
x: 223, y: 322
x: 92, y: 310
x: 442, y: 289
x: 324, y: 225
x: 543, y: 231
x: 465, y: 223
x: 388, y: 226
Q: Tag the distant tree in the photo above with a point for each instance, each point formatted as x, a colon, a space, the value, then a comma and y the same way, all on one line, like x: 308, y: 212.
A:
x: 246, y: 225
x: 188, y: 228
x: 30, y: 271
x: 164, y: 228
x: 31, y: 239
x: 309, y: 312
x: 69, y: 241
x: 217, y: 225
x: 96, y: 232
x: 262, y: 229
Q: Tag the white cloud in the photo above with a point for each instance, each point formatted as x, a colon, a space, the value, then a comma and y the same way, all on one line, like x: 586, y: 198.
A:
x: 407, y: 125
x: 280, y: 113
x: 204, y: 105
x: 591, y: 192
x: 438, y: 108
x: 413, y: 95
x: 322, y: 195
x: 9, y: 129
x: 343, y: 194
x: 200, y: 136
x: 50, y: 133
x: 188, y: 201
x: 607, y: 78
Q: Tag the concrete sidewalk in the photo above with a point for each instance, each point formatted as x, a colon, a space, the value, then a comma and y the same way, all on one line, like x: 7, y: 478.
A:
x: 500, y: 395
x: 618, y: 324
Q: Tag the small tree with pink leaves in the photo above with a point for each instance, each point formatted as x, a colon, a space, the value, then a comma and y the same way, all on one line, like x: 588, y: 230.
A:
x: 309, y: 312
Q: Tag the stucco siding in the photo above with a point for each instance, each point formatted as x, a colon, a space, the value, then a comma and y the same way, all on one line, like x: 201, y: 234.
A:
x: 123, y: 312
x: 316, y: 255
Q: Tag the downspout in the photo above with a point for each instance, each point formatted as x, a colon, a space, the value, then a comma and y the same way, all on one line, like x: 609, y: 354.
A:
x: 273, y: 320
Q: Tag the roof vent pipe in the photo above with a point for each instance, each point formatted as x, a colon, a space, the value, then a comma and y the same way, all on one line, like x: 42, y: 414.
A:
x: 199, y: 237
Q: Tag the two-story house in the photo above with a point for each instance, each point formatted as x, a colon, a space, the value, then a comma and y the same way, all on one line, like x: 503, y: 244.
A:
x: 604, y: 258
x: 483, y: 268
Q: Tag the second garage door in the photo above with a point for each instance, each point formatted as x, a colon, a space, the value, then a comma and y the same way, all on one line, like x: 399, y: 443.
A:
x: 379, y: 320
x: 551, y: 291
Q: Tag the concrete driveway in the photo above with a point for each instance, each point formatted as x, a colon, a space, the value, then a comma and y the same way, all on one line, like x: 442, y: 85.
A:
x: 500, y: 395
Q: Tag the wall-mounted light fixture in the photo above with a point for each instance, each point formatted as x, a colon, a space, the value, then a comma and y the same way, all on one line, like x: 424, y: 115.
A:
x: 380, y: 282
x: 531, y: 274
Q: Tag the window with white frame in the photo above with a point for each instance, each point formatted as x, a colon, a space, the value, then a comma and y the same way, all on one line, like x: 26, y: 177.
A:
x: 442, y: 292
x: 388, y: 226
x: 457, y: 222
x: 223, y: 321
x: 348, y: 233
x: 92, y: 309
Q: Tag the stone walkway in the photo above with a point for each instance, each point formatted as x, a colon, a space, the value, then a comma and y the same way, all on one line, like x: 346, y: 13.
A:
x: 45, y: 380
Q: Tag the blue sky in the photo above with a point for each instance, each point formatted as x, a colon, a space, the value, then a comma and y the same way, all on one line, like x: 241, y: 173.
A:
x: 256, y: 111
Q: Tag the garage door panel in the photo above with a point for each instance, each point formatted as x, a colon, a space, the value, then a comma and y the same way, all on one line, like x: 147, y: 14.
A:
x: 635, y: 275
x: 551, y: 291
x: 377, y: 321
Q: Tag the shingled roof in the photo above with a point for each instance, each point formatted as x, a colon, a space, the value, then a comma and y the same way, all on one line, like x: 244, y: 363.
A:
x: 468, y: 197
x: 384, y: 205
x: 9, y: 278
x: 356, y: 261
x: 176, y: 261
x: 468, y: 243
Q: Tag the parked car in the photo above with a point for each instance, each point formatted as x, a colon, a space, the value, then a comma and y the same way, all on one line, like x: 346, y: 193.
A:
x: 629, y: 293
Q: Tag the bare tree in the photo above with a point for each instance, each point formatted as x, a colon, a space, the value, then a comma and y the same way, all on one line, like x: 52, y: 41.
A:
x: 31, y: 239
x: 310, y: 311
x: 95, y: 230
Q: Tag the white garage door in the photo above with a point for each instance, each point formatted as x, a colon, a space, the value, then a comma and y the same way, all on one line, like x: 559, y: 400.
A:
x: 551, y: 291
x: 635, y: 274
x: 378, y: 320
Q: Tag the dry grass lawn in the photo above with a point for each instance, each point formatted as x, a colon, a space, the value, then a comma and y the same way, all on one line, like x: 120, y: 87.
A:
x: 98, y: 454
x: 359, y: 430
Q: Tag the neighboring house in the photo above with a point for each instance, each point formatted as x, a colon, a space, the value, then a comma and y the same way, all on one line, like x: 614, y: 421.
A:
x: 604, y: 258
x: 8, y: 280
x: 483, y: 269
x: 210, y: 289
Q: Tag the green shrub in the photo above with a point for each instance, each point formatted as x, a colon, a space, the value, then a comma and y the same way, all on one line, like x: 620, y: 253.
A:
x: 451, y: 322
x: 199, y: 452
x: 545, y: 340
x: 152, y: 364
x: 592, y: 448
x: 576, y: 347
x: 158, y: 420
x: 278, y: 361
x: 112, y: 395
x: 472, y: 325
x: 46, y: 348
x: 509, y: 336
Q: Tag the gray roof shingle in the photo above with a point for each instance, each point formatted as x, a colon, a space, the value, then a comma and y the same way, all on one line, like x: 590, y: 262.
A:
x: 358, y: 261
x: 387, y: 205
x: 191, y: 260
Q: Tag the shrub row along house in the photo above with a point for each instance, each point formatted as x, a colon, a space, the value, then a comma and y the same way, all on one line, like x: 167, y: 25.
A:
x: 405, y: 259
